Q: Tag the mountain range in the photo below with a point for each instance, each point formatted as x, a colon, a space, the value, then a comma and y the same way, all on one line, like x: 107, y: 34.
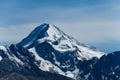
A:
x: 48, y: 53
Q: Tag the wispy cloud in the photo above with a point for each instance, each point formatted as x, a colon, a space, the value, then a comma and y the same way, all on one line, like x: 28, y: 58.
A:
x: 15, y: 33
x: 92, y: 32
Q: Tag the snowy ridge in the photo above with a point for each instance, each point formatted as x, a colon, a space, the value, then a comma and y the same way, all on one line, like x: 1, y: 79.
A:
x: 50, y: 45
x: 12, y: 57
x: 3, y: 48
x: 59, y: 40
x: 46, y: 66
x: 49, y: 49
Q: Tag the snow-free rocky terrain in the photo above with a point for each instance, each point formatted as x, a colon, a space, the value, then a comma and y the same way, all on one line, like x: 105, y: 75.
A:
x: 47, y: 53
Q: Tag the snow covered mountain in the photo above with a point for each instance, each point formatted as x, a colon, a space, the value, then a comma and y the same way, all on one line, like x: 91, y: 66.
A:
x: 19, y: 61
x: 105, y: 68
x: 49, y: 50
x: 61, y: 42
x: 63, y: 51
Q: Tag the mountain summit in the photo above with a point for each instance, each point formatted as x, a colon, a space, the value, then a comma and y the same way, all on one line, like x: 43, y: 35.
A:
x: 40, y: 32
x: 48, y: 50
x: 51, y: 44
x: 58, y: 40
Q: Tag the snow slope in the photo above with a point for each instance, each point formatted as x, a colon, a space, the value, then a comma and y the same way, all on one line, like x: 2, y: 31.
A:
x: 48, y: 49
x: 59, y: 41
x: 56, y: 49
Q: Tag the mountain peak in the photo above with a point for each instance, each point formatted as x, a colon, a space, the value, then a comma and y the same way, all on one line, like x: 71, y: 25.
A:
x: 58, y: 40
x: 42, y: 31
x: 40, y: 28
x: 44, y: 25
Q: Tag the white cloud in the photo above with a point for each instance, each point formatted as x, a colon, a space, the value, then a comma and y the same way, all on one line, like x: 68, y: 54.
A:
x: 89, y: 24
x: 93, y: 32
x: 85, y: 32
x: 15, y: 33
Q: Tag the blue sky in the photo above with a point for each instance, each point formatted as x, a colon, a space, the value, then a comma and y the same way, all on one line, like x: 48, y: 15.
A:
x: 93, y: 22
